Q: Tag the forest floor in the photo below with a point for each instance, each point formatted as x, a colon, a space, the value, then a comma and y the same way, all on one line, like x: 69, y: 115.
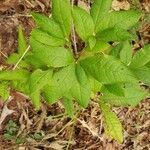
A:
x: 49, y: 129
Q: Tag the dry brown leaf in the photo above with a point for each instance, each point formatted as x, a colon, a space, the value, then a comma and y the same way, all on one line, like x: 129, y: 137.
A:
x: 84, y: 5
x: 41, y: 5
x: 45, y: 2
x: 92, y: 130
x: 1, y: 102
x: 109, y: 146
x: 57, y: 145
x: 120, y: 5
x: 22, y: 148
x: 42, y: 119
x: 7, y: 4
x: 5, y: 112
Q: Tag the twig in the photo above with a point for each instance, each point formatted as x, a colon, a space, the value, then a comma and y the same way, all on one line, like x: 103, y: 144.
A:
x: 70, y: 138
x: 15, y: 16
x: 147, y: 35
x: 66, y: 125
x: 101, y: 126
x: 73, y: 34
x: 3, y: 54
x: 30, y: 3
x: 42, y: 118
x: 21, y: 57
x: 84, y: 124
x: 1, y: 50
x: 74, y: 41
x: 21, y: 94
x: 41, y: 5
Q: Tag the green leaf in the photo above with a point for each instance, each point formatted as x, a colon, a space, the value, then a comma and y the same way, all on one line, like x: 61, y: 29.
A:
x: 92, y: 42
x: 114, y: 34
x: 61, y: 12
x: 107, y: 69
x: 115, y: 89
x: 38, y: 136
x: 81, y: 90
x: 101, y: 46
x: 83, y: 23
x: 113, y: 125
x: 51, y: 56
x: 143, y: 74
x: 8, y: 136
x: 69, y: 81
x: 48, y: 25
x: 35, y: 97
x: 95, y: 85
x: 61, y: 84
x: 121, y: 19
x: 14, y: 58
x: 98, y: 46
x: 69, y: 107
x: 14, y: 75
x: 124, y: 19
x: 4, y: 90
x: 116, y: 49
x: 39, y: 79
x: 148, y: 65
x: 99, y: 10
x: 34, y: 62
x: 22, y: 45
x: 141, y: 58
x: 22, y: 86
x: 51, y: 93
x: 45, y: 38
x: 133, y: 94
x: 126, y: 53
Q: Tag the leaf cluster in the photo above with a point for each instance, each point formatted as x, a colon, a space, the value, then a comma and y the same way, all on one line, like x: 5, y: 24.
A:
x: 56, y: 69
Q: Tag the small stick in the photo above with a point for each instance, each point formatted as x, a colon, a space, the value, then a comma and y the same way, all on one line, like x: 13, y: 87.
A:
x: 73, y: 34
x: 21, y: 58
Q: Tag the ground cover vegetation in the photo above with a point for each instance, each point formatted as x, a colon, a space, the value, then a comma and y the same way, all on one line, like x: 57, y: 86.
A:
x: 77, y: 56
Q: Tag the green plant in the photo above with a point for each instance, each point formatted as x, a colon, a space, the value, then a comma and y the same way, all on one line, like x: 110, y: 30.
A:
x: 60, y: 67
x: 11, y: 130
x: 37, y: 136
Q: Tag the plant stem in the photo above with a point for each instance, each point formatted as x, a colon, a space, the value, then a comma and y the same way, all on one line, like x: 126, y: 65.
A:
x: 73, y: 35
x: 74, y: 41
